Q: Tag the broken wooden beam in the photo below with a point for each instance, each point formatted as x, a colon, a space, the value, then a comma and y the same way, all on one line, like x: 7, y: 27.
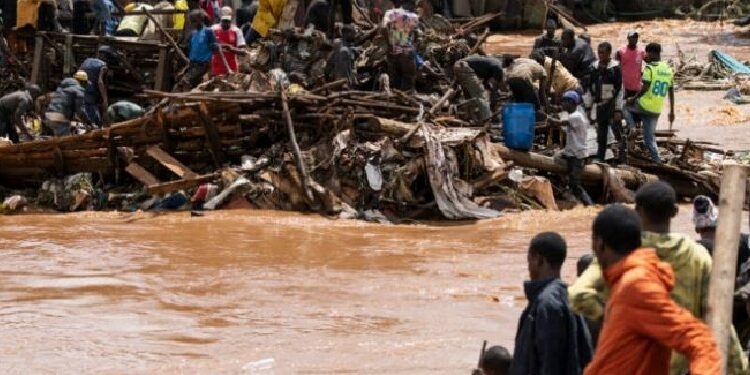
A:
x: 170, y: 163
x: 187, y: 183
x: 141, y: 174
x: 212, y: 135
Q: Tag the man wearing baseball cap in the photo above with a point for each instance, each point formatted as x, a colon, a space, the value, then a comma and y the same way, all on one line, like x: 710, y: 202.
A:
x: 575, y: 151
x: 230, y: 40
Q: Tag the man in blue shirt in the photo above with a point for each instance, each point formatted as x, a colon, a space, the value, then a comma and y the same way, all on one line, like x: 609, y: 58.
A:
x: 202, y: 44
x: 96, y: 99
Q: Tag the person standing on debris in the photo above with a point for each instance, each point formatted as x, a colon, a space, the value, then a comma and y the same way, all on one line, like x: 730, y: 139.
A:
x: 212, y: 9
x: 318, y: 14
x: 66, y: 102
x: 656, y: 204
x: 647, y: 105
x: 106, y: 21
x: 230, y: 40
x: 245, y: 14
x: 522, y: 73
x: 13, y: 108
x: 643, y: 322
x: 576, y: 56
x: 575, y: 152
x: 267, y: 17
x: 559, y: 80
x: 97, y: 99
x: 341, y: 61
x: 476, y: 72
x: 631, y: 58
x: 606, y: 91
x: 400, y: 25
x: 200, y: 51
x: 548, y: 43
x: 551, y: 339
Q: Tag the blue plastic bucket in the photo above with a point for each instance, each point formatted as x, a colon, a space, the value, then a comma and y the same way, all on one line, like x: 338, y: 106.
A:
x: 519, y: 121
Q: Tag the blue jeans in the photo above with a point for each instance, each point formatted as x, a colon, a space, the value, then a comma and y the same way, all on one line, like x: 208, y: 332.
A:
x: 649, y: 121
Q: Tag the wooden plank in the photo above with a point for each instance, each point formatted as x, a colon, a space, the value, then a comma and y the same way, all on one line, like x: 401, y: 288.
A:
x: 171, y: 186
x: 212, y: 135
x: 721, y: 286
x: 68, y: 60
x: 160, y: 83
x: 36, y: 65
x: 141, y: 174
x: 171, y: 163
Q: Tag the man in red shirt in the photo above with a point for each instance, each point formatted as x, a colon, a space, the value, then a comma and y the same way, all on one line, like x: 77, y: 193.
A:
x: 230, y: 39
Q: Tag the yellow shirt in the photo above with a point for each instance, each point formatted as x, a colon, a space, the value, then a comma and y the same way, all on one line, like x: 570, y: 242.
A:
x: 179, y: 19
x: 660, y: 77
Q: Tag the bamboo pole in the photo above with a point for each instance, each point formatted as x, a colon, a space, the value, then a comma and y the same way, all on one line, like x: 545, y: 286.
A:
x: 721, y: 286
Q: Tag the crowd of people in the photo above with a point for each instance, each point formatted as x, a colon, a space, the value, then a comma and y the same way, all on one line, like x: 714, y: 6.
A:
x: 566, y: 82
x: 639, y: 303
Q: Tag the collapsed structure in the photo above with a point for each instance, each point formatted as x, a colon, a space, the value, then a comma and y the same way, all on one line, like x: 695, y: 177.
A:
x: 349, y: 147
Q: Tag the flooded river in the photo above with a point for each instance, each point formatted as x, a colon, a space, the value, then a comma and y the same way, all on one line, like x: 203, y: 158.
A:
x: 167, y: 294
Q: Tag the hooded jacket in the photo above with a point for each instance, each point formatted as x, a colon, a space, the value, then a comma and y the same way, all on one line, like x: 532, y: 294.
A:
x: 551, y: 339
x: 68, y: 99
x: 643, y: 323
x: 691, y: 265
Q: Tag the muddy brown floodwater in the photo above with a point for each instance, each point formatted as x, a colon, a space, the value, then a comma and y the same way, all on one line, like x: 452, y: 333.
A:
x: 167, y: 294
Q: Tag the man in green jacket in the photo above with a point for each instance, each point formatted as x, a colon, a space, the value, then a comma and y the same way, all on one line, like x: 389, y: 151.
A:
x: 656, y: 203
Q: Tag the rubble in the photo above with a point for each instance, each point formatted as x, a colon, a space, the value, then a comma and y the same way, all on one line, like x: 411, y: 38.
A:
x: 345, y: 146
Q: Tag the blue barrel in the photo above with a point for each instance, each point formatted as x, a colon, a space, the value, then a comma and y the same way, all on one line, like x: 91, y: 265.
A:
x: 519, y: 121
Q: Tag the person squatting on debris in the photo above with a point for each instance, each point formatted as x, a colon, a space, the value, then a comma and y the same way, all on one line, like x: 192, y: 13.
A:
x: 646, y: 106
x: 575, y: 151
x: 202, y: 44
x: 431, y: 21
x: 230, y: 40
x: 559, y: 79
x: 548, y: 44
x: 643, y: 322
x: 124, y: 111
x: 495, y: 361
x: 400, y: 25
x: 13, y: 108
x: 96, y: 100
x: 576, y: 56
x: 267, y: 17
x: 551, y: 339
x: 522, y: 73
x: 606, y: 92
x: 476, y: 72
x: 656, y: 204
x: 67, y: 101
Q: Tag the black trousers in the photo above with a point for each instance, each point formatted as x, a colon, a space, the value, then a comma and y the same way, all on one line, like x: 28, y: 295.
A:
x: 604, y: 121
x: 523, y: 91
x: 575, y: 170
x: 8, y: 126
x: 402, y: 70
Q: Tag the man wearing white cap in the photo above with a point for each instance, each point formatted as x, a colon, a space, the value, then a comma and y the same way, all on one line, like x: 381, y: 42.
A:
x: 230, y: 39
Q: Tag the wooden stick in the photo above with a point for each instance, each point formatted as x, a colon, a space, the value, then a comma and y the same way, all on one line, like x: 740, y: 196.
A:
x: 721, y: 285
x: 480, y: 41
x: 167, y: 36
x: 295, y: 148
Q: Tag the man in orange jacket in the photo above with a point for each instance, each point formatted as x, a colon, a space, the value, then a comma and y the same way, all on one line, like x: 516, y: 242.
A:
x: 641, y: 321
